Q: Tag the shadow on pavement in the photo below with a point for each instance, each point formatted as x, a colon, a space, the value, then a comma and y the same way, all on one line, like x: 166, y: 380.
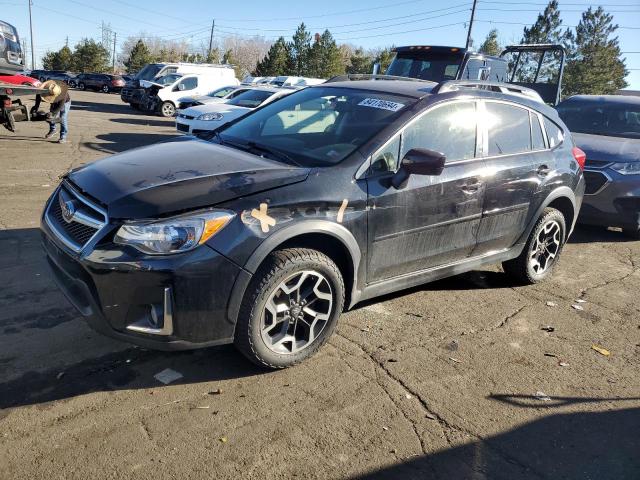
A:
x: 589, y: 234
x: 583, y: 445
x: 32, y: 306
x: 102, y: 107
x: 149, y: 122
x: 119, y: 142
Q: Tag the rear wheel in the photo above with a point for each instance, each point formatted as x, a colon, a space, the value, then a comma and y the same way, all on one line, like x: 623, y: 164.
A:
x: 82, y: 86
x: 542, y: 250
x: 290, y: 308
x: 105, y: 89
x: 167, y: 109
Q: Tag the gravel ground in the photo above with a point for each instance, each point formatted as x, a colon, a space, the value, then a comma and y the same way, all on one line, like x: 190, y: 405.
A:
x: 452, y: 380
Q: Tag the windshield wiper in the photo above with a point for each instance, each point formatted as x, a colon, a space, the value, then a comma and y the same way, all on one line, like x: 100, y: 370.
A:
x: 272, y: 151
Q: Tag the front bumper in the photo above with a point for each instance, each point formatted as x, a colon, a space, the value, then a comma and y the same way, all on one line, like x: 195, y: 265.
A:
x: 194, y: 127
x: 117, y: 289
x: 613, y: 201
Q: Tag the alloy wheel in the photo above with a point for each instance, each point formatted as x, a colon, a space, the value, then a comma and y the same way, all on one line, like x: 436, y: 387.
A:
x: 545, y: 248
x: 296, y: 312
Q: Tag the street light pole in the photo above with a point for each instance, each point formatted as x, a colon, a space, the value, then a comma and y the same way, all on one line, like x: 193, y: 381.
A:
x: 473, y: 13
x: 213, y: 25
x: 33, y: 55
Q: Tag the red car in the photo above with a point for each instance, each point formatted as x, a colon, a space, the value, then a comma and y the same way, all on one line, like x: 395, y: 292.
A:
x: 20, y: 80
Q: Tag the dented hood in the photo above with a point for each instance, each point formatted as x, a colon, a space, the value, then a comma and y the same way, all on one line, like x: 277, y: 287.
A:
x: 177, y: 176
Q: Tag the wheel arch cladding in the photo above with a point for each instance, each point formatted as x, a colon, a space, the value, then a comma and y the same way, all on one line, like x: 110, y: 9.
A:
x: 332, y: 239
x: 562, y: 199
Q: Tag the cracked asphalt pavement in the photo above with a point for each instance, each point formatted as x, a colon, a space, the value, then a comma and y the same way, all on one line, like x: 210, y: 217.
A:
x: 453, y: 380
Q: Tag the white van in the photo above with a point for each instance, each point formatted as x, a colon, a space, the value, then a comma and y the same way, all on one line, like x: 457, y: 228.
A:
x: 163, y: 93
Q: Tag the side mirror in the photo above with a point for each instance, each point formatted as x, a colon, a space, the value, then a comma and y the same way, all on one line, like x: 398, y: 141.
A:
x: 418, y: 161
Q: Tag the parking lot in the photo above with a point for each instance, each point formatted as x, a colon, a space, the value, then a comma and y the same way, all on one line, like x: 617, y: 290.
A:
x: 465, y: 378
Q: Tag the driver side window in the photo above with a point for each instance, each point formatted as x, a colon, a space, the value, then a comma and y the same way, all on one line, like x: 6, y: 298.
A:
x: 188, y: 84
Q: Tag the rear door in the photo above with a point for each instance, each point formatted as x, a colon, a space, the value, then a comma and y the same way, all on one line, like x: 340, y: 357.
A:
x: 432, y: 220
x: 539, y: 67
x: 516, y: 162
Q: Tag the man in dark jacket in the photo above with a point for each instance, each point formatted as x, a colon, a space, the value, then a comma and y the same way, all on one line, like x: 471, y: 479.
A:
x: 59, y: 110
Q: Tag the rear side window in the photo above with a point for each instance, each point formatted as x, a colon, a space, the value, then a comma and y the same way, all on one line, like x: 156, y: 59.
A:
x: 450, y: 129
x: 537, y: 138
x: 554, y: 133
x: 188, y: 83
x: 509, y: 130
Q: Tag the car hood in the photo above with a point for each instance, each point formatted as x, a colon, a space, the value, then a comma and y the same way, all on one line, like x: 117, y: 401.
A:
x: 608, y: 149
x: 179, y: 175
x: 214, y: 107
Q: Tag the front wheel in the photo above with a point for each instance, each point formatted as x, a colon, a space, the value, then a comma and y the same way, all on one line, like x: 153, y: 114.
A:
x: 167, y: 109
x: 290, y: 308
x: 82, y: 86
x: 105, y: 89
x: 542, y: 250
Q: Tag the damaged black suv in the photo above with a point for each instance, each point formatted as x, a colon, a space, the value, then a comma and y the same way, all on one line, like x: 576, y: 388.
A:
x: 264, y: 232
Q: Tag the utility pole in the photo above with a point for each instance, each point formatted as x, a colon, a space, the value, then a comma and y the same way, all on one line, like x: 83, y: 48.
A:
x: 33, y: 55
x: 473, y: 13
x: 213, y: 25
x: 115, y: 36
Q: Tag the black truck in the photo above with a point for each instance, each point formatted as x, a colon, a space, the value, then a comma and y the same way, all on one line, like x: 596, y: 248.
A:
x: 537, y: 66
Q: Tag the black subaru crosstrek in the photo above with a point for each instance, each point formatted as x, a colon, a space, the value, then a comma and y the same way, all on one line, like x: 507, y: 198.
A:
x: 262, y: 233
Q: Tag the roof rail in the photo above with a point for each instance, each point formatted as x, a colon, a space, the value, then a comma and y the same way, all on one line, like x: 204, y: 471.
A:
x: 511, y: 88
x: 370, y: 76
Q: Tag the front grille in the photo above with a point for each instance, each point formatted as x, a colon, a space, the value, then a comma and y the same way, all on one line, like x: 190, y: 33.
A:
x: 77, y: 230
x: 595, y: 181
x: 597, y: 163
x: 182, y: 127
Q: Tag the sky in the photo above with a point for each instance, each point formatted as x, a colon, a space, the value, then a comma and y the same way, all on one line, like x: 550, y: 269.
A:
x: 366, y: 23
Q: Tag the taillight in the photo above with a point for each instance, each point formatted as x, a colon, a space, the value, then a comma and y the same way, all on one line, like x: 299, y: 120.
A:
x: 580, y: 157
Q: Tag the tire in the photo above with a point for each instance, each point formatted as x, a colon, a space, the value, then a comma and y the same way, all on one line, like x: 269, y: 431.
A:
x: 536, y: 262
x: 167, y: 109
x: 82, y: 86
x: 135, y: 106
x: 42, y: 79
x: 258, y: 329
x: 105, y: 89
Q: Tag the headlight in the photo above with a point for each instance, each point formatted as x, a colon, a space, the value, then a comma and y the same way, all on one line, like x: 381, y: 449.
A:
x: 209, y: 116
x: 173, y: 235
x: 627, y: 168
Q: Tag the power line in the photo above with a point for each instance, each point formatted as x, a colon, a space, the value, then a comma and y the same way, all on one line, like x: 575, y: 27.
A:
x: 425, y: 30
x: 528, y: 24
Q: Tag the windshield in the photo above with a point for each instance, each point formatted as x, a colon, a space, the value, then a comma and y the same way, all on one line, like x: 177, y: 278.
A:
x: 148, y: 72
x: 425, y: 66
x: 613, y: 119
x: 317, y: 126
x: 167, y: 79
x: 250, y: 98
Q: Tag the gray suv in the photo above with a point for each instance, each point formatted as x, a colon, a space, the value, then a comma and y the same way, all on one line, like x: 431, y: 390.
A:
x: 607, y: 128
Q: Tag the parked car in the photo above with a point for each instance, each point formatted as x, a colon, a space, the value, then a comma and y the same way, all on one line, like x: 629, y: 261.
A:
x: 20, y: 80
x: 133, y: 91
x: 607, y: 128
x: 61, y: 76
x: 99, y: 82
x: 163, y: 96
x: 334, y: 194
x: 218, y: 95
x: 39, y: 74
x: 208, y: 117
x: 11, y: 55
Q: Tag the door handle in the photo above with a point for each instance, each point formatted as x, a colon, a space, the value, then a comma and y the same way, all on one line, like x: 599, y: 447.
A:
x: 471, y: 187
x: 543, y: 170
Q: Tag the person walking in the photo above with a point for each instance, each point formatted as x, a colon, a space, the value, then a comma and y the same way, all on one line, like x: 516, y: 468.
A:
x: 60, y: 101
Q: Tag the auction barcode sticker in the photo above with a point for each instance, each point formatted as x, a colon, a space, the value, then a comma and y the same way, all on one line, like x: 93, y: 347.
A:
x: 382, y: 104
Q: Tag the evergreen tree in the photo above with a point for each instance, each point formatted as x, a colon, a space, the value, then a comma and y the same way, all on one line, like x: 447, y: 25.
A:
x: 384, y: 58
x: 229, y: 59
x: 300, y: 49
x: 596, y: 66
x: 278, y: 60
x: 547, y: 28
x: 325, y: 59
x: 213, y: 56
x: 490, y: 46
x: 90, y: 56
x: 60, y: 60
x: 139, y: 57
x: 360, y: 62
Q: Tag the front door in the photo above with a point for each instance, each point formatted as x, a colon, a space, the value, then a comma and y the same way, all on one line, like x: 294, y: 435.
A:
x: 432, y: 220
